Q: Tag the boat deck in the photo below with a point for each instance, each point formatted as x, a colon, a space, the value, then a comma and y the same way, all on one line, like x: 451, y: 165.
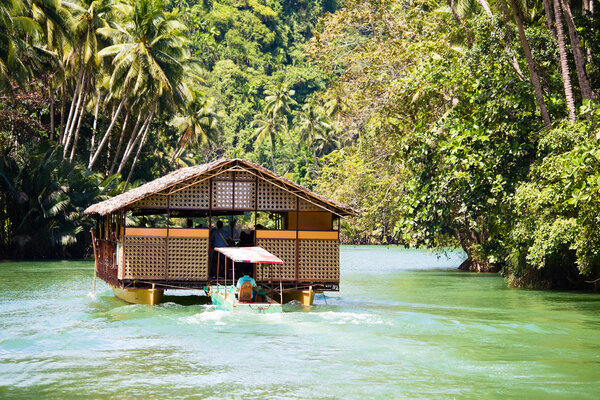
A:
x: 224, y: 297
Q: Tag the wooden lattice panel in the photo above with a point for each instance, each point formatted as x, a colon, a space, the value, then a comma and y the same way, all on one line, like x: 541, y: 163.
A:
x: 272, y: 198
x: 222, y: 195
x: 306, y: 206
x: 319, y: 261
x: 245, y: 195
x: 284, y: 249
x: 188, y: 259
x: 156, y: 200
x: 224, y: 175
x: 194, y: 197
x: 244, y: 176
x: 144, y: 257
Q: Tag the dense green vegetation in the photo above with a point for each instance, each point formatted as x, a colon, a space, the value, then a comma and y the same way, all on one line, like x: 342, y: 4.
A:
x: 473, y: 135
x: 130, y: 90
x: 461, y: 123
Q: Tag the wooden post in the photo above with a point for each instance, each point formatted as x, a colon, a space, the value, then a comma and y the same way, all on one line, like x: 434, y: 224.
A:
x: 95, y: 262
x: 167, y: 238
x: 296, y: 273
x: 232, y: 193
x: 218, y: 267
x: 210, y: 259
x: 255, y: 211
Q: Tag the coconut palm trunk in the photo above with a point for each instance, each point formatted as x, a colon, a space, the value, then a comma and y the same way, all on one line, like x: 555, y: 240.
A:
x: 582, y: 76
x: 132, y: 140
x: 74, y: 119
x: 549, y: 20
x: 51, y: 112
x: 137, y: 154
x: 63, y: 101
x: 535, y: 80
x: 74, y: 147
x: 93, y: 140
x: 273, y: 153
x: 287, y: 131
x: 106, y: 135
x: 72, y: 108
x: 118, y: 150
x: 135, y: 137
x: 564, y: 63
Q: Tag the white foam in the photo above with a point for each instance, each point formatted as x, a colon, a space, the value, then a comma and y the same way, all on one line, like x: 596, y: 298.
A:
x: 343, y: 318
x: 209, y: 316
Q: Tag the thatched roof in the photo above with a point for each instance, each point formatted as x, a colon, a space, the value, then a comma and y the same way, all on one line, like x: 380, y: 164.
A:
x: 184, y: 174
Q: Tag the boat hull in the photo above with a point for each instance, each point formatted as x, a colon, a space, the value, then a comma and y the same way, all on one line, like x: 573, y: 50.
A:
x: 224, y: 299
x: 306, y: 297
x: 139, y: 296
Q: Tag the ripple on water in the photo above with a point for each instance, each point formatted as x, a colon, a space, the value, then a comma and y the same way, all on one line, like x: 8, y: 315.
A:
x: 390, y: 332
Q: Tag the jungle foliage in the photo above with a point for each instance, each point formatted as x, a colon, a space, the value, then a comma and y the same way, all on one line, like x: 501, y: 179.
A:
x: 461, y: 123
x: 455, y: 147
x: 126, y: 91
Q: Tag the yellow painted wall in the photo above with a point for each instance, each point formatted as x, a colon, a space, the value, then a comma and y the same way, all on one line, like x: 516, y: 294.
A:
x: 310, y: 221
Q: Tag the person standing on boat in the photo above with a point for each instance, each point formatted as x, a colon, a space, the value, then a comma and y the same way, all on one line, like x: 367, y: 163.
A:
x: 219, y: 238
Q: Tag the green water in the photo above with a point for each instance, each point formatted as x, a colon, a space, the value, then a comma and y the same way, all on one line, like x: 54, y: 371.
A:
x: 404, y: 325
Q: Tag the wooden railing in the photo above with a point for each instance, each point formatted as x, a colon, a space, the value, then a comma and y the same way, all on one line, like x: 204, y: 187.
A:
x: 161, y: 254
x: 106, y: 268
x: 291, y: 234
x: 175, y: 254
x: 308, y: 256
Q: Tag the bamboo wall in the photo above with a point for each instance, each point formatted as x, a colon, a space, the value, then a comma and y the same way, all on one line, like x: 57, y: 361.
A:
x: 164, y: 254
x: 310, y: 255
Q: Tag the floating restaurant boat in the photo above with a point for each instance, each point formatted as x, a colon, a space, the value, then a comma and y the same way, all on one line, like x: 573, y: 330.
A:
x: 159, y: 235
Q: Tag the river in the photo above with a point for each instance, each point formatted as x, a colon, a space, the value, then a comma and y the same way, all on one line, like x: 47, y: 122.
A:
x: 405, y: 324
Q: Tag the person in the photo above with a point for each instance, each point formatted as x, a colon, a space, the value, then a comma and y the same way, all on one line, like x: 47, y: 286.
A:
x: 247, y: 278
x: 234, y: 230
x: 245, y: 239
x: 218, y: 238
x: 190, y: 223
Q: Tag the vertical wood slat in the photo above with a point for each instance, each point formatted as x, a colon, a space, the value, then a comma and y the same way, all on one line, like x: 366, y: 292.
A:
x: 297, y: 261
x: 166, y: 273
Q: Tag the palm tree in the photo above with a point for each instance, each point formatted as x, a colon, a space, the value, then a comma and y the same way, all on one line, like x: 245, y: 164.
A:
x: 326, y: 141
x: 267, y: 127
x: 582, y: 76
x: 15, y: 52
x: 56, y: 23
x: 149, y: 62
x: 312, y: 123
x: 277, y: 107
x: 198, y: 125
x: 278, y: 100
x: 564, y: 64
x: 516, y: 13
x: 90, y: 18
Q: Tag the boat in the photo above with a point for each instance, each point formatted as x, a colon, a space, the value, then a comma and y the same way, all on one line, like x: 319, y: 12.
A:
x: 159, y: 236
x: 229, y: 297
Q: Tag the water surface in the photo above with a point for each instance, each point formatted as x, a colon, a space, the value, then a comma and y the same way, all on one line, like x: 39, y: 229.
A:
x: 404, y: 325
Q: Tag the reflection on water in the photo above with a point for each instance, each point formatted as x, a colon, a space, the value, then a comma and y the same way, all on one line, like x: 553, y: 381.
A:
x: 405, y: 324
